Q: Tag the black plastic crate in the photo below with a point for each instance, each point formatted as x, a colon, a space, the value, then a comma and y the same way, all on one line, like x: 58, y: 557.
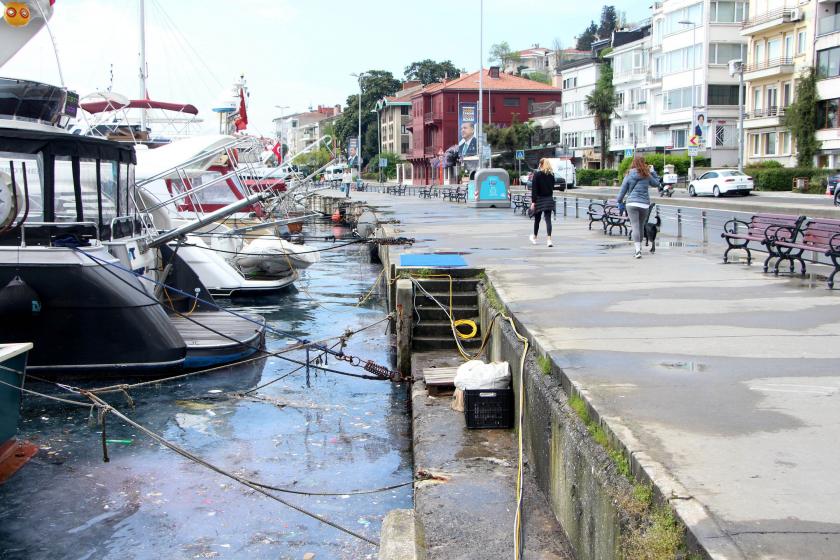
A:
x: 488, y: 408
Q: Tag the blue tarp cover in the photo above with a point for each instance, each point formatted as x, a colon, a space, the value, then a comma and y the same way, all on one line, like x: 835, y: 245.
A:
x: 432, y: 260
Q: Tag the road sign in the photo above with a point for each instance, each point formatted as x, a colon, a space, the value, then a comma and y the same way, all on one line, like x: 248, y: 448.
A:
x: 628, y: 152
x: 383, y: 162
x: 695, y: 141
x: 693, y: 151
x: 520, y: 154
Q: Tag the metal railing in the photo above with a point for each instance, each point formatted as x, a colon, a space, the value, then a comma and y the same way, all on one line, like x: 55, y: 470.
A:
x: 785, y: 14
x: 768, y: 64
x: 773, y: 111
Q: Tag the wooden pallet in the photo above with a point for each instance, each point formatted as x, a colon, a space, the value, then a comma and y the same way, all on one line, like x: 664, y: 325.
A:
x: 440, y: 379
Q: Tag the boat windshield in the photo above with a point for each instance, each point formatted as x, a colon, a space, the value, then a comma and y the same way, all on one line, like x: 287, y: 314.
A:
x: 18, y: 166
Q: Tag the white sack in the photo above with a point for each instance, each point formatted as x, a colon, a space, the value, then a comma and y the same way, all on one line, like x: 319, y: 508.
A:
x: 475, y: 374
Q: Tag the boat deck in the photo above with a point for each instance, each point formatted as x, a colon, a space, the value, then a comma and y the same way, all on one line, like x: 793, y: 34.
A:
x: 196, y: 336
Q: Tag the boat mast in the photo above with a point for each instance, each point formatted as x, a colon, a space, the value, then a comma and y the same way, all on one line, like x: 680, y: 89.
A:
x: 143, y: 75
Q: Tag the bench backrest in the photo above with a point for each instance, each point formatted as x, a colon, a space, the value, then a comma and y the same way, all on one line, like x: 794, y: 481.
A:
x: 769, y: 223
x: 819, y: 231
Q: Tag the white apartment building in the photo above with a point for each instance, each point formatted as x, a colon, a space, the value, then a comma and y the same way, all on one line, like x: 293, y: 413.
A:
x: 578, y: 135
x: 302, y: 129
x: 692, y: 43
x: 631, y: 67
x: 827, y: 59
x: 780, y: 40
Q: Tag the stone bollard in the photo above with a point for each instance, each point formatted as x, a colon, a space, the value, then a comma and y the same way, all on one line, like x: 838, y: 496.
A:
x: 405, y: 313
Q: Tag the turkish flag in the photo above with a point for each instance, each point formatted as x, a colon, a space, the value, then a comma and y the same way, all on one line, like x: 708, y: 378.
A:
x: 278, y: 151
x: 241, y: 121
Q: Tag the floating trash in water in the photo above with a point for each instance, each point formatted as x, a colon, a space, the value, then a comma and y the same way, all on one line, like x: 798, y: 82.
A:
x: 121, y: 441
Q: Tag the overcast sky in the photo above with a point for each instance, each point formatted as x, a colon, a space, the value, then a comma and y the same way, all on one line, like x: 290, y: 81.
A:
x: 292, y: 52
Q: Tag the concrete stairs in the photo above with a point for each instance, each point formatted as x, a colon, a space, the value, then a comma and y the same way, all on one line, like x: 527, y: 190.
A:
x: 431, y: 329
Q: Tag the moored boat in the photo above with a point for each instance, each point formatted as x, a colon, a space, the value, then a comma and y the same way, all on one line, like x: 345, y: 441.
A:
x: 13, y: 453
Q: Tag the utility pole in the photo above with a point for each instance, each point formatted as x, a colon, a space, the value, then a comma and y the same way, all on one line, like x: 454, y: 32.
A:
x: 480, y: 143
x: 737, y: 67
x: 359, y: 137
x: 693, y: 85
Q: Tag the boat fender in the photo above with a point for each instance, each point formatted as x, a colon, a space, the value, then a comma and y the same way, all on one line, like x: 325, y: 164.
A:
x: 18, y: 299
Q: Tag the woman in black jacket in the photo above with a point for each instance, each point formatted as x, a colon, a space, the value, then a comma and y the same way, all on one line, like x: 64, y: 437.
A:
x: 542, y: 199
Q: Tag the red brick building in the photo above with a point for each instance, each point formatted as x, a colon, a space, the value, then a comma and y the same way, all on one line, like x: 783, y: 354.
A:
x: 434, y: 112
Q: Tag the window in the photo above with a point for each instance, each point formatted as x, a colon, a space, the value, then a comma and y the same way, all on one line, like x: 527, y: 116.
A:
x: 788, y: 46
x: 728, y: 12
x: 657, y: 32
x: 619, y: 99
x: 689, y: 13
x: 618, y: 133
x: 638, y: 98
x: 722, y: 94
x: 709, y: 175
x: 757, y: 99
x: 403, y: 129
x: 827, y: 112
x: 404, y: 110
x: 683, y: 59
x: 801, y: 44
x: 758, y: 53
x: 657, y: 66
x: 769, y: 141
x: 785, y: 143
x: 772, y: 96
x: 722, y: 53
x: 678, y: 138
x: 511, y: 102
x: 786, y: 95
x: 828, y: 62
x: 569, y: 83
x: 774, y: 49
x: 680, y: 98
x: 754, y: 142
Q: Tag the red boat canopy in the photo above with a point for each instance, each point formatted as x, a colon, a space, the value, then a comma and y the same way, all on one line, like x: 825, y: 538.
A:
x: 111, y: 105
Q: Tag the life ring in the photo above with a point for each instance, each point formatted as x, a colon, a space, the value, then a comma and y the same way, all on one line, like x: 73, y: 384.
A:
x: 469, y: 323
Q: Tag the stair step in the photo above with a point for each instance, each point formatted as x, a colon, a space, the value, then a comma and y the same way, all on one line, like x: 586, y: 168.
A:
x: 435, y: 313
x: 441, y: 285
x: 443, y: 343
x: 433, y: 328
x: 459, y: 299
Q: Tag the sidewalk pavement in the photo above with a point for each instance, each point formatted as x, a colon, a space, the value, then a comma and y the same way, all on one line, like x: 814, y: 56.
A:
x: 724, y: 382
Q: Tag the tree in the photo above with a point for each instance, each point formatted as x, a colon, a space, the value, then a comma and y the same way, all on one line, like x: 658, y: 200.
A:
x: 601, y: 103
x: 376, y: 84
x: 801, y: 119
x: 609, y: 21
x: 503, y: 55
x: 585, y: 39
x: 541, y: 77
x: 428, y: 71
x: 559, y: 53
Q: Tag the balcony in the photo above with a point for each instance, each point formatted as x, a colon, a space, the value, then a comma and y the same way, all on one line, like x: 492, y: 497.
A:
x: 433, y: 117
x: 768, y: 68
x: 770, y: 20
x: 762, y: 118
x: 830, y: 24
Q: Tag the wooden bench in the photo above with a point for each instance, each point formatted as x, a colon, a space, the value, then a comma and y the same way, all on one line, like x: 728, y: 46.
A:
x: 424, y: 192
x: 455, y: 195
x: 615, y: 218
x: 819, y: 235
x: 760, y: 229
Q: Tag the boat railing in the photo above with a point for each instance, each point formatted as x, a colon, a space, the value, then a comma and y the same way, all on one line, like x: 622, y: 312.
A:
x: 132, y: 226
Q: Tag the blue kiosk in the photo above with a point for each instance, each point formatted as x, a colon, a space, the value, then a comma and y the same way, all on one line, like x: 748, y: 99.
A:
x: 489, y: 189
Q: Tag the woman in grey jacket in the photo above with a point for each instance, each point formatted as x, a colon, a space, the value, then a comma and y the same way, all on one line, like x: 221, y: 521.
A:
x: 635, y: 188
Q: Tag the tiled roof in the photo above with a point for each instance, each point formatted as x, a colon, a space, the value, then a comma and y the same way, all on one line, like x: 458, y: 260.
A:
x: 505, y: 82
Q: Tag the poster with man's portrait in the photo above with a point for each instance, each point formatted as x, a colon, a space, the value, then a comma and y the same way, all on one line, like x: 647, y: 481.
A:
x: 467, y: 118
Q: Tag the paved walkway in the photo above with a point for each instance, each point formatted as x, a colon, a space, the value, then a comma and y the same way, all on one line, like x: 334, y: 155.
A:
x: 723, y: 381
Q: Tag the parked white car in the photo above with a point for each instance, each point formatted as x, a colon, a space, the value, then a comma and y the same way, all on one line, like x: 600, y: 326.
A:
x: 565, y: 175
x: 719, y: 182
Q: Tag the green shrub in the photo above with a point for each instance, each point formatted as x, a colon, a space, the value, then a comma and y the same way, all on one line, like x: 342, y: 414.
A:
x: 768, y: 164
x: 681, y: 163
x: 589, y: 177
x: 781, y: 178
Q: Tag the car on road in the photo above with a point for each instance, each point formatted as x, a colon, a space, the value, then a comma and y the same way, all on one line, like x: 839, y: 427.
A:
x: 719, y: 182
x: 565, y: 175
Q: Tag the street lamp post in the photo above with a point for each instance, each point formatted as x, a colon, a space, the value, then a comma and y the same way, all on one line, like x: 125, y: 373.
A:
x: 737, y: 67
x: 693, y: 83
x: 480, y: 143
x: 359, y: 137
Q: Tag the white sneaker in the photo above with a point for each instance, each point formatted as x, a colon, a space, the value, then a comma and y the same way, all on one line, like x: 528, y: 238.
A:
x: 638, y: 255
x: 533, y: 239
x: 549, y: 243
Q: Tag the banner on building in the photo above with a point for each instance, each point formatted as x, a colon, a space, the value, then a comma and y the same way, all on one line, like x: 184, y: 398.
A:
x: 467, y: 119
x: 699, y: 126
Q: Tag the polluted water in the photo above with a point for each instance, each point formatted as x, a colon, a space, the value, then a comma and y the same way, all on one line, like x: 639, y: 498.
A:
x: 323, y: 436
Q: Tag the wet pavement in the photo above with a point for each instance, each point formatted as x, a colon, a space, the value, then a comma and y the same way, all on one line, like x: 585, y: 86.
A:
x: 721, y: 381
x: 336, y: 434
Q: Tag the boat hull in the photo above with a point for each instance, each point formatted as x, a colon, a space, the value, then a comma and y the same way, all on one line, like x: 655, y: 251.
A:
x: 92, y: 319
